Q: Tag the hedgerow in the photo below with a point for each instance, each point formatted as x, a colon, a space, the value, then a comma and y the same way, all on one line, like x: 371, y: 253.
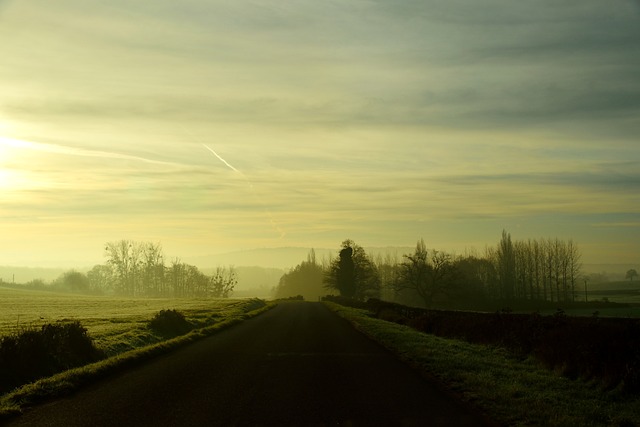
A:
x: 604, y: 349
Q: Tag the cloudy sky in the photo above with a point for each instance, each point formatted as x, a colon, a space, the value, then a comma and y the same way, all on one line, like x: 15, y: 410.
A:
x: 212, y: 126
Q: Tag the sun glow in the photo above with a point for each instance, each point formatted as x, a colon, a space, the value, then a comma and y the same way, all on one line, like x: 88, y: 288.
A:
x: 11, y: 177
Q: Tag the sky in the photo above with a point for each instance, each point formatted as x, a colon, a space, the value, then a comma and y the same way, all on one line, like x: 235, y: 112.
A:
x: 212, y: 126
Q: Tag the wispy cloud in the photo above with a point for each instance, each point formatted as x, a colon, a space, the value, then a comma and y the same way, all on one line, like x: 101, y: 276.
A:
x: 74, y: 151
x: 459, y: 115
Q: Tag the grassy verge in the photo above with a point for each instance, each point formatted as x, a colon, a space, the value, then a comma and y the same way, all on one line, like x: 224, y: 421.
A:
x: 509, y: 390
x: 66, y: 382
x: 125, y: 332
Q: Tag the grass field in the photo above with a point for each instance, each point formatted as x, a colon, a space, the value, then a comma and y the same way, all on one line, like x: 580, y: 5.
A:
x: 119, y: 326
x: 115, y: 324
x: 617, y: 294
x: 510, y: 390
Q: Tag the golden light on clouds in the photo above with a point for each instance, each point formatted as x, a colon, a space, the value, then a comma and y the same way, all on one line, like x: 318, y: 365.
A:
x: 455, y: 122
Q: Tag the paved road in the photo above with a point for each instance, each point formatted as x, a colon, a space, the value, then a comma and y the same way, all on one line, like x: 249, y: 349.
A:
x: 299, y: 364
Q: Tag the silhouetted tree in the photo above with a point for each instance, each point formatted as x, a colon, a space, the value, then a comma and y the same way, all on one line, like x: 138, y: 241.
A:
x: 631, y: 274
x: 428, y: 273
x: 573, y: 267
x: 345, y: 274
x: 506, y: 266
x: 305, y: 279
x: 353, y: 274
x: 548, y: 269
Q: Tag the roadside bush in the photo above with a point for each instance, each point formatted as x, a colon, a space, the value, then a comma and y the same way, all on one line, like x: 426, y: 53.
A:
x: 37, y: 353
x: 170, y: 323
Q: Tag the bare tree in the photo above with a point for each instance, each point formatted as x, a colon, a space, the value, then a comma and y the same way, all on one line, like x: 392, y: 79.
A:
x: 506, y: 258
x: 223, y: 282
x: 153, y: 269
x: 124, y: 257
x: 177, y: 277
x: 575, y: 266
x: 546, y: 269
x: 426, y: 272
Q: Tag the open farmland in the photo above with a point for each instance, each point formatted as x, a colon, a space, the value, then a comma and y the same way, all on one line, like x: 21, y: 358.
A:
x: 624, y: 293
x: 115, y: 323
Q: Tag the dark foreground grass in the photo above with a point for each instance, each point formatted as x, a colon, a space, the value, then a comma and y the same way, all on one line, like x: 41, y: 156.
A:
x: 509, y: 390
x: 66, y: 382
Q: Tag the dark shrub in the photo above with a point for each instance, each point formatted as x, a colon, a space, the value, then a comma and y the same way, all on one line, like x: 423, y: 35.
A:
x: 170, y: 323
x: 37, y: 353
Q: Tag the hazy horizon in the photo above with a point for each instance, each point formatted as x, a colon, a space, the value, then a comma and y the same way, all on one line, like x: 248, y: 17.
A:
x: 281, y: 259
x: 212, y: 127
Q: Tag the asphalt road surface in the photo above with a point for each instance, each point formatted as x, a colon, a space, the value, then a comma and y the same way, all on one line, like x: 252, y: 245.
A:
x: 298, y: 364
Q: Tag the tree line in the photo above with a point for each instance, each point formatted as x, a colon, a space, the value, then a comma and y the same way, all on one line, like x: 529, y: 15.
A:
x: 140, y: 269
x: 531, y: 270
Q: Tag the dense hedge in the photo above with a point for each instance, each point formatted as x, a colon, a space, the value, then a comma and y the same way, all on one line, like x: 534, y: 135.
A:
x: 37, y: 353
x: 606, y: 349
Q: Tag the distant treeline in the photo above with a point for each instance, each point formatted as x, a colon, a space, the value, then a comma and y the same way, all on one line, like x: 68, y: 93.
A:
x: 535, y: 270
x: 140, y: 269
x: 531, y: 270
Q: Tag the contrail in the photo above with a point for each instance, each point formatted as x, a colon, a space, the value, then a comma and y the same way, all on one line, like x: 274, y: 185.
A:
x: 267, y: 211
x: 221, y: 159
x: 73, y: 151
